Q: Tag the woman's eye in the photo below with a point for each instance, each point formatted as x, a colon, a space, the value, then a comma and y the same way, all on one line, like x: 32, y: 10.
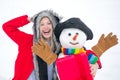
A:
x: 49, y: 23
x: 41, y: 24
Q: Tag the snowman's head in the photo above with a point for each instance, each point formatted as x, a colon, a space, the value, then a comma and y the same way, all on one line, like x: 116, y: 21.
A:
x: 72, y: 33
x: 72, y: 38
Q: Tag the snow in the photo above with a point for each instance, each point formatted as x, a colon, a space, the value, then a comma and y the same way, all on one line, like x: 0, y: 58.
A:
x: 102, y: 16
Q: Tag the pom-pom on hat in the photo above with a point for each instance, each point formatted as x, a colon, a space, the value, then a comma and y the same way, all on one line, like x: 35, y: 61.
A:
x: 73, y: 23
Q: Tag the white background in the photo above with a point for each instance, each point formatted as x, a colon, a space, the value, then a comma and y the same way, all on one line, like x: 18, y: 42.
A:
x: 102, y: 16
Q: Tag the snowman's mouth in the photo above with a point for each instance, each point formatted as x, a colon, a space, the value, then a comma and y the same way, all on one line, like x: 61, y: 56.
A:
x: 74, y: 43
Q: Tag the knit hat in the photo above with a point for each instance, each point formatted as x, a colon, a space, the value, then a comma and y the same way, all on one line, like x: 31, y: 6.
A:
x: 73, y: 23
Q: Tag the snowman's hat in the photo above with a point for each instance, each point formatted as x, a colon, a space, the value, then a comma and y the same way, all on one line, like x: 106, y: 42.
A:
x: 73, y: 23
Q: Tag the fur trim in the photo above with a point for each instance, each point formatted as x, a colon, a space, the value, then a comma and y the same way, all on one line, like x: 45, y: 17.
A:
x: 36, y: 67
x: 54, y: 18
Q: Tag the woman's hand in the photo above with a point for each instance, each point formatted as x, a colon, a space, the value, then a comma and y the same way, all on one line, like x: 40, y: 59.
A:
x: 29, y: 19
x: 94, y: 68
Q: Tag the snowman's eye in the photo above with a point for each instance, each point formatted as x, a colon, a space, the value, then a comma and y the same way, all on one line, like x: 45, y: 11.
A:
x: 69, y: 34
x: 77, y: 33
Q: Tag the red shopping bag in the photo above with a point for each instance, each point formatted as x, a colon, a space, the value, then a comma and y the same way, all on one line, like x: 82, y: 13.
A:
x: 74, y: 67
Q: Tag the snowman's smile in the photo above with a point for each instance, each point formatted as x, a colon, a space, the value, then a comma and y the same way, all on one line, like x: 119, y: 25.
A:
x: 74, y: 43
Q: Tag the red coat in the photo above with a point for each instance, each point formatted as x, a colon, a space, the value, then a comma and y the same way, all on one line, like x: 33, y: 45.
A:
x: 24, y: 62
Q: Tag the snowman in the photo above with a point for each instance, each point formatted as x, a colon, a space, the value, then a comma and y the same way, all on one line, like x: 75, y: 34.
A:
x: 73, y: 61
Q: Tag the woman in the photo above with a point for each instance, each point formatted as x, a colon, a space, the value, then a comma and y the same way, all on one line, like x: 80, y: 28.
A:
x: 29, y: 66
x: 44, y: 25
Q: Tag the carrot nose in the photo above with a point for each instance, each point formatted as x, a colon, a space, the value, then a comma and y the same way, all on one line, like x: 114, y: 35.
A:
x: 75, y: 37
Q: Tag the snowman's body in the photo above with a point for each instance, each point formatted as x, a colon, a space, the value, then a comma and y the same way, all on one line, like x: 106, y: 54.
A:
x: 73, y: 61
x: 73, y: 38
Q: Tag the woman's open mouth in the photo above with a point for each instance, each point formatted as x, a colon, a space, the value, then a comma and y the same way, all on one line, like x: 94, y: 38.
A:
x: 46, y: 32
